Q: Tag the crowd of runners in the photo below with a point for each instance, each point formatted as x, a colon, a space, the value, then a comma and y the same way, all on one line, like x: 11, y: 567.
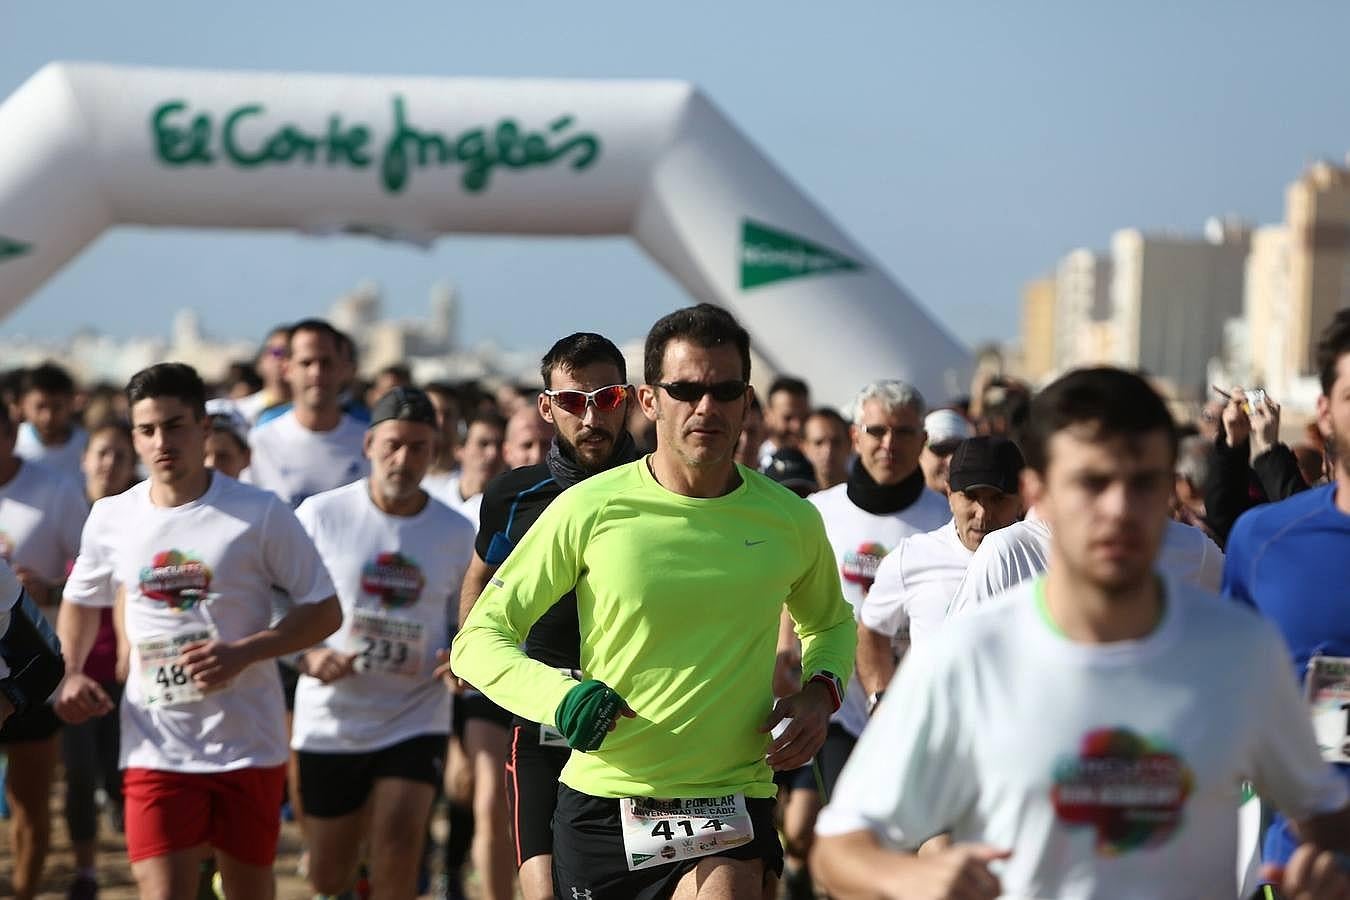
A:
x: 645, y: 635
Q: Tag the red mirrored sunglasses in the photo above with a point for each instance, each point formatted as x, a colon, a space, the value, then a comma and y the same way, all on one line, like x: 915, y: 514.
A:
x: 605, y: 399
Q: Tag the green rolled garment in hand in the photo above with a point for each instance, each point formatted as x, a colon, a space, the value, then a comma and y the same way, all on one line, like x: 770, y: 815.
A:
x: 585, y: 714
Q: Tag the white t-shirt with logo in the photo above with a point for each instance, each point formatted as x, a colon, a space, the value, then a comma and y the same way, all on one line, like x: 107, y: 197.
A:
x: 64, y: 458
x: 42, y: 511
x: 861, y: 540
x: 446, y: 489
x: 208, y: 566
x: 294, y: 462
x: 914, y: 584
x: 1110, y: 771
x: 398, y: 578
x: 1021, y: 551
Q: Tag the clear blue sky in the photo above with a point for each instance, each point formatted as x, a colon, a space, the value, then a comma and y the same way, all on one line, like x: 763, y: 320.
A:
x: 967, y: 146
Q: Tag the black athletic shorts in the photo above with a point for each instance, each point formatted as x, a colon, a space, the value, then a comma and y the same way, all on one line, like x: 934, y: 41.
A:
x: 588, y: 854
x: 337, y: 784
x: 532, y: 773
x: 833, y: 754
x: 474, y: 705
x: 799, y: 779
x: 37, y: 723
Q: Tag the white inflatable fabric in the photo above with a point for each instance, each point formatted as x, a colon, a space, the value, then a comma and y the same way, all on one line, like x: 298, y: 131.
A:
x: 92, y: 146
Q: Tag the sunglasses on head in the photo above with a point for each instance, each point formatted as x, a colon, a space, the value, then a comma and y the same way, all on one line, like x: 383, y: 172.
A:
x: 693, y: 391
x: 604, y: 399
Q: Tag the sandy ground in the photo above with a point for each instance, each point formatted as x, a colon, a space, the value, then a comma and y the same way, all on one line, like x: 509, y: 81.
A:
x: 115, y: 878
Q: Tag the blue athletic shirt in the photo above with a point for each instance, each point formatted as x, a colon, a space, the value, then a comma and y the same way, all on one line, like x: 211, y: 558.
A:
x: 1291, y: 561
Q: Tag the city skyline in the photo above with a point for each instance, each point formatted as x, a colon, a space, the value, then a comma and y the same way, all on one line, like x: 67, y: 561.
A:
x: 935, y: 137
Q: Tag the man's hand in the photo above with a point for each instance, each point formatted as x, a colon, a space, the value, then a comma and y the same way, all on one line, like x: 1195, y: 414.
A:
x: 1311, y: 874
x: 810, y: 710
x: 1265, y: 419
x: 1235, y: 421
x: 328, y: 665
x: 211, y: 664
x: 960, y: 872
x: 452, y: 682
x: 81, y: 698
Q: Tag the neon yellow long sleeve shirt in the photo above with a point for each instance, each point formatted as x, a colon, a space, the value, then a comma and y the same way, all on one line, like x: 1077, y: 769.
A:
x: 678, y: 600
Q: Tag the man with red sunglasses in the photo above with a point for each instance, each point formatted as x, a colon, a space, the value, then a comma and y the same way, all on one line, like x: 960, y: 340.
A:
x: 586, y: 399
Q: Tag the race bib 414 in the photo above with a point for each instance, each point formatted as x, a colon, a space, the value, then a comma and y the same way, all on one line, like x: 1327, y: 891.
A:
x: 657, y: 832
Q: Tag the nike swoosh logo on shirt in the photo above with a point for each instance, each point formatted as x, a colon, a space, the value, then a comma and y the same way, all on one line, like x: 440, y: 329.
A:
x: 750, y: 543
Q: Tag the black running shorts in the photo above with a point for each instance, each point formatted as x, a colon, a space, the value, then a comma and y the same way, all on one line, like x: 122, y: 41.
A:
x: 338, y: 784
x: 532, y: 773
x: 588, y: 852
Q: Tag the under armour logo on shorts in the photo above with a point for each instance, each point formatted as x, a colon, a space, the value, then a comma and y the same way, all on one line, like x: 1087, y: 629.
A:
x: 584, y: 894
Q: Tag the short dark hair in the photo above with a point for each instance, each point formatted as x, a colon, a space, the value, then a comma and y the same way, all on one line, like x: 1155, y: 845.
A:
x: 490, y: 419
x: 705, y: 326
x: 48, y: 378
x: 579, y: 350
x: 1331, y: 346
x: 317, y: 326
x: 177, y: 380
x: 790, y: 385
x: 445, y: 391
x: 830, y: 413
x: 1115, y: 402
x: 398, y: 371
x: 110, y: 424
x: 241, y: 372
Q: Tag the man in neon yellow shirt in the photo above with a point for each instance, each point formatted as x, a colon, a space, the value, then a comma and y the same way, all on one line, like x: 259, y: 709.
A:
x: 681, y: 563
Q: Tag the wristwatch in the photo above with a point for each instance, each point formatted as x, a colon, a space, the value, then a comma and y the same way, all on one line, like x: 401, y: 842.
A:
x: 831, y: 681
x: 14, y: 694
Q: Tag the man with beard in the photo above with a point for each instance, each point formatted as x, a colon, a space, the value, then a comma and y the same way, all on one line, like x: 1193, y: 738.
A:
x: 370, y: 721
x: 586, y: 399
x: 1288, y: 560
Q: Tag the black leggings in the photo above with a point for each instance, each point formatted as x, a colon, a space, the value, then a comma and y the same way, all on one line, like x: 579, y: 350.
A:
x: 90, y: 752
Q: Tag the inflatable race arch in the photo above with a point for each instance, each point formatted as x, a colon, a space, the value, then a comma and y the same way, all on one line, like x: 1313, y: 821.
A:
x: 88, y: 147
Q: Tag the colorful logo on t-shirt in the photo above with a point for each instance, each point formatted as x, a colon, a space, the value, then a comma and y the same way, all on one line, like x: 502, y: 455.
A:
x: 178, y: 580
x: 860, y: 566
x: 1131, y: 790
x: 394, y: 578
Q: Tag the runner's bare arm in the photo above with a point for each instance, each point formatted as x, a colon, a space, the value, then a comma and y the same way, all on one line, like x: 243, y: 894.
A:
x: 876, y: 660
x: 79, y: 697
x: 857, y: 865
x: 475, y: 580
x: 306, y: 625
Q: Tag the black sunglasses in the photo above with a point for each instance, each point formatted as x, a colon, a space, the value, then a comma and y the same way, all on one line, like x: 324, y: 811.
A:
x: 693, y: 391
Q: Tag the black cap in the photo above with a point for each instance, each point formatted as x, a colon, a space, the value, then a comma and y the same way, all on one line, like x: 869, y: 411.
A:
x: 986, y: 461
x: 407, y: 404
x: 792, y: 469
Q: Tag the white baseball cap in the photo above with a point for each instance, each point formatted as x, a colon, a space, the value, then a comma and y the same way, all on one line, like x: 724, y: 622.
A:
x: 947, y: 425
